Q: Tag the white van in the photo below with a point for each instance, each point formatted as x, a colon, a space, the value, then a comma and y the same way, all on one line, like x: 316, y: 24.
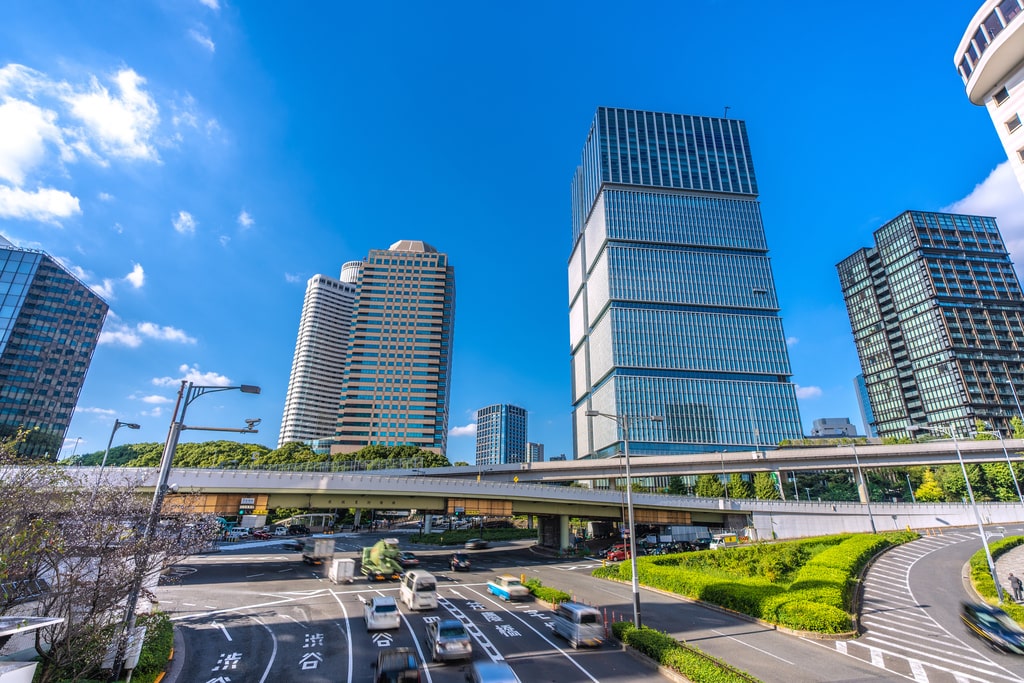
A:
x: 579, y: 624
x: 418, y: 590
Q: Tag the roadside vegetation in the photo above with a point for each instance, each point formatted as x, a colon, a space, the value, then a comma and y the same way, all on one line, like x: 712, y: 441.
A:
x: 805, y: 585
x: 684, y: 659
x: 981, y: 578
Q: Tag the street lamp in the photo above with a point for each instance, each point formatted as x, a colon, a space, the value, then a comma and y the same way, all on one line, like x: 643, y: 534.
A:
x: 187, y: 393
x: 623, y: 422
x: 117, y: 425
x: 862, y: 488
x: 970, y: 492
x: 999, y: 435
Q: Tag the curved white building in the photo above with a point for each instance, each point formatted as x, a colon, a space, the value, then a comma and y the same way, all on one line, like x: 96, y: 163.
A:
x: 990, y: 59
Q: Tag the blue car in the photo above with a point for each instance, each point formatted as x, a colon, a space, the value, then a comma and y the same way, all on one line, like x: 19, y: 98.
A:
x: 994, y: 626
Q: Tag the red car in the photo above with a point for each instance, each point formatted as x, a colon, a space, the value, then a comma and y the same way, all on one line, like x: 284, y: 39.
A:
x: 261, y: 535
x: 617, y: 553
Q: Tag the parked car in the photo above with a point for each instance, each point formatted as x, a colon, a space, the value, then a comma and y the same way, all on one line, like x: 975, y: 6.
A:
x: 994, y: 626
x: 407, y: 559
x: 491, y: 672
x: 298, y: 530
x: 382, y: 613
x: 476, y: 544
x: 459, y: 562
x: 396, y: 665
x: 447, y: 639
x: 617, y: 553
x: 261, y: 535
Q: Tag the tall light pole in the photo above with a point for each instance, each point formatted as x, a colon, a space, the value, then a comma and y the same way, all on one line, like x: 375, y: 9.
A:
x: 99, y: 479
x: 970, y: 492
x: 623, y: 422
x: 186, y: 394
x: 862, y: 489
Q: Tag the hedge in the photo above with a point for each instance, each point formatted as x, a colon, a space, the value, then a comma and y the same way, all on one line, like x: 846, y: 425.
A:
x: 814, y: 584
x: 687, y: 661
x: 981, y: 578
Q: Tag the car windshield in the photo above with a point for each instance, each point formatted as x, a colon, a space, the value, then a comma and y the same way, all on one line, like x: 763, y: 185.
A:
x: 452, y: 632
x: 512, y: 582
x: 426, y: 588
x: 588, y: 618
x: 390, y: 607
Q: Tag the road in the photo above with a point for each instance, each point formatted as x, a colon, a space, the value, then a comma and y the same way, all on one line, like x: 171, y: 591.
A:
x: 259, y: 614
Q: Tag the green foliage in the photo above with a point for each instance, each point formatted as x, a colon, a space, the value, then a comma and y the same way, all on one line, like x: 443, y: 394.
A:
x: 709, y: 486
x: 156, y: 649
x: 981, y: 578
x: 685, y: 659
x: 545, y: 593
x: 929, y: 491
x: 979, y: 432
x: 803, y: 585
x: 764, y: 487
x: 739, y: 487
x: 1017, y: 425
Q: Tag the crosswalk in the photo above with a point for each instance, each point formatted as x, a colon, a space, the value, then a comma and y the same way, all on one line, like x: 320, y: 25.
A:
x: 899, y: 636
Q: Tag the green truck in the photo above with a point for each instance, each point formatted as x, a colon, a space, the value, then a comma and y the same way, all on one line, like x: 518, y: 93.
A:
x: 380, y: 561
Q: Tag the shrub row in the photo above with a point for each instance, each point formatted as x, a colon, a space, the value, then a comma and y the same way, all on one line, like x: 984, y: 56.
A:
x: 818, y: 599
x: 667, y: 651
x: 542, y: 592
x: 981, y: 578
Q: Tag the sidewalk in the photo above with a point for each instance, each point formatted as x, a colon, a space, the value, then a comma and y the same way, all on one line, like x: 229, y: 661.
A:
x: 1012, y: 561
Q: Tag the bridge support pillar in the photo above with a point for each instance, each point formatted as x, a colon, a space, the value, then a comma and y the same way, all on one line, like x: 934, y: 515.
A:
x: 563, y: 531
x: 428, y: 521
x: 358, y: 516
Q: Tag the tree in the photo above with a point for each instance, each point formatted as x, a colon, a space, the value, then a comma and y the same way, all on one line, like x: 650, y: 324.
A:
x: 764, y: 486
x: 979, y: 432
x: 739, y: 487
x: 709, y: 486
x: 1017, y: 425
x: 677, y: 486
x: 929, y: 491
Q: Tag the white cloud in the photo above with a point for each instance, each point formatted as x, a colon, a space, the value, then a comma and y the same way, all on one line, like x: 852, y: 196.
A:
x: 125, y: 335
x: 212, y: 4
x: 45, y: 204
x: 27, y: 131
x: 105, y: 289
x: 999, y: 196
x: 792, y: 341
x: 292, y: 277
x: 164, y: 333
x: 105, y: 197
x: 807, y: 392
x: 468, y: 430
x: 184, y: 223
x: 192, y: 374
x: 123, y: 125
x: 105, y: 412
x: 137, y: 277
x: 224, y: 240
x: 245, y: 220
x: 203, y: 39
x: 155, y: 399
x: 155, y: 412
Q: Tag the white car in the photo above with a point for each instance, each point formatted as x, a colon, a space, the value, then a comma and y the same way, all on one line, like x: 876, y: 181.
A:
x: 382, y: 613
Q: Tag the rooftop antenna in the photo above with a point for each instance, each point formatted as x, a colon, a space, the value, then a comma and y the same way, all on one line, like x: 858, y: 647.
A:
x: 726, y: 114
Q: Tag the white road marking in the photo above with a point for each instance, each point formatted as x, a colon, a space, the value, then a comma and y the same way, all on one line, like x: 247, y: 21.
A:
x: 737, y: 640
x: 223, y: 630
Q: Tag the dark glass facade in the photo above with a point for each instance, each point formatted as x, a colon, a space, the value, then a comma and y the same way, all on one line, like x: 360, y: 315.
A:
x: 672, y: 303
x: 50, y: 323
x: 501, y: 434
x: 938, y: 319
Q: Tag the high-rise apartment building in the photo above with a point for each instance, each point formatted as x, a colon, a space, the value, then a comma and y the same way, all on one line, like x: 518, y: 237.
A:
x: 534, y: 452
x: 672, y: 304
x: 864, y: 403
x: 500, y: 434
x: 990, y: 60
x: 318, y: 367
x: 50, y: 323
x: 399, y: 358
x: 938, y: 319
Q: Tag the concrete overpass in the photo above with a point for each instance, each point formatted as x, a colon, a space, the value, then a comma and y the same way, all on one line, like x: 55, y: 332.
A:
x: 552, y: 504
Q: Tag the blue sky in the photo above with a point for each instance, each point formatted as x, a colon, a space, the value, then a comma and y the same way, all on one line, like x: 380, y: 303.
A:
x: 196, y: 161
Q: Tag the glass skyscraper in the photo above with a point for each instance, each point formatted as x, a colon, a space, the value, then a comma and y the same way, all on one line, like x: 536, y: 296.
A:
x: 50, y: 323
x: 500, y: 434
x: 938, y: 319
x: 672, y: 304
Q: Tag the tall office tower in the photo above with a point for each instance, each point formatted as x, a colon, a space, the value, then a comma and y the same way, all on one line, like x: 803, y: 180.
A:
x: 318, y: 367
x: 399, y: 362
x: 500, y: 435
x: 49, y: 325
x: 534, y: 452
x: 938, y: 319
x: 672, y: 306
x: 990, y: 60
x: 864, y: 403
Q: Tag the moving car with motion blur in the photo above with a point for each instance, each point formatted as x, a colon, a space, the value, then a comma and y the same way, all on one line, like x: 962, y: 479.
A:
x: 448, y: 639
x: 459, y: 562
x: 994, y: 626
x: 476, y: 544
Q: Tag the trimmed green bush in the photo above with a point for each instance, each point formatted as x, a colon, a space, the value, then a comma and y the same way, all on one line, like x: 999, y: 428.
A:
x: 542, y: 592
x: 688, y: 661
x: 982, y: 579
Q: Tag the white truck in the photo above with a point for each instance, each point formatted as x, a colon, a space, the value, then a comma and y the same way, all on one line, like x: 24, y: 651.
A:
x: 318, y: 550
x: 342, y: 570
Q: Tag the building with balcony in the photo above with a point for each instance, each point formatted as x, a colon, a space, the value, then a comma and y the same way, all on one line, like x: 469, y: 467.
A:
x: 937, y: 316
x: 50, y: 323
x: 672, y: 304
x: 318, y: 366
x: 990, y: 60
